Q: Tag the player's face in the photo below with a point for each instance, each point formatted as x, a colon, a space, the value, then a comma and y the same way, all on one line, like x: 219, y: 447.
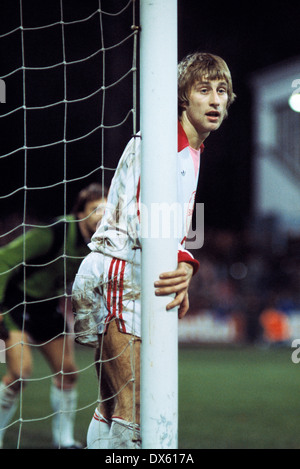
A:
x: 207, y: 105
x: 92, y: 214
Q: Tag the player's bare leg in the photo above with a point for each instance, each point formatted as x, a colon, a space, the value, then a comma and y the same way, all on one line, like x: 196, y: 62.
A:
x: 19, y: 368
x: 63, y: 392
x: 107, y: 401
x: 121, y: 371
x: 59, y: 355
x: 99, y: 428
x: 121, y: 367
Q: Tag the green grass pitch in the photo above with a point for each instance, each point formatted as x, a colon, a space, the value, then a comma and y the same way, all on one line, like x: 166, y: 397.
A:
x: 229, y: 398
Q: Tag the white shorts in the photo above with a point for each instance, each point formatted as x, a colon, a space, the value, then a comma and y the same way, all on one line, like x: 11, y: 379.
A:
x: 105, y: 289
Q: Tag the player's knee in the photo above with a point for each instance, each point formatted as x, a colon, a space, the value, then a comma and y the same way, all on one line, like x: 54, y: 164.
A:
x: 21, y: 372
x: 16, y: 380
x: 16, y: 386
x: 66, y: 379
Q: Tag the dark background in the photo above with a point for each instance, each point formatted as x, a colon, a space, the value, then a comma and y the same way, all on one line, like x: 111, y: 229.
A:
x: 248, y: 36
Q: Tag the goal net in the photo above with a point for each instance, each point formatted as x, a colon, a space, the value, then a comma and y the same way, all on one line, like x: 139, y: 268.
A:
x: 68, y: 106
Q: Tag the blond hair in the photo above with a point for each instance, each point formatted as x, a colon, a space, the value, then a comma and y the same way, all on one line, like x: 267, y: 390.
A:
x: 194, y: 67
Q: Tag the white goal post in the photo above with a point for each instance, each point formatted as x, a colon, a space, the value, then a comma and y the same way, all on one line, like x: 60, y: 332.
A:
x: 80, y: 126
x: 158, y: 103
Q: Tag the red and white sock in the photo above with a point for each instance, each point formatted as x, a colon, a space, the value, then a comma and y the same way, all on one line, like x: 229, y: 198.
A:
x: 98, y: 432
x: 124, y: 435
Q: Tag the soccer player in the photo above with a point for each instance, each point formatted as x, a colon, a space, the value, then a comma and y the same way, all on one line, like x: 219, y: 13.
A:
x: 109, y: 315
x: 41, y: 318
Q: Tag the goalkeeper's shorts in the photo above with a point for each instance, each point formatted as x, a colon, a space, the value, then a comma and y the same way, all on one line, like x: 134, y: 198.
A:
x: 106, y: 289
x: 41, y: 320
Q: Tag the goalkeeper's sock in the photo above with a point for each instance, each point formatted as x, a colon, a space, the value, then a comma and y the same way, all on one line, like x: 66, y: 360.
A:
x: 8, y: 405
x: 63, y: 402
x: 124, y: 435
x: 98, y: 432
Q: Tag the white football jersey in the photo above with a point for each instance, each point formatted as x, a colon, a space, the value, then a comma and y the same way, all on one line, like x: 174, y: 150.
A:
x: 119, y: 233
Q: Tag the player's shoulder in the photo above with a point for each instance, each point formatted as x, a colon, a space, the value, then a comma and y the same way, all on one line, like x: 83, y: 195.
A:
x: 131, y: 154
x: 134, y: 144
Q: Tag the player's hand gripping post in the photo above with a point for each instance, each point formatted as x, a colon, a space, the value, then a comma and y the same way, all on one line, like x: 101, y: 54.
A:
x: 176, y: 281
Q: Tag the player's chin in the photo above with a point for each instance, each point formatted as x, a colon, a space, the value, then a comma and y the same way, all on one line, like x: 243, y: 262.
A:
x: 215, y: 126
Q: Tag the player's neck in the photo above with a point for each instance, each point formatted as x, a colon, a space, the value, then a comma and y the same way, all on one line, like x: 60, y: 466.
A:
x: 195, y: 138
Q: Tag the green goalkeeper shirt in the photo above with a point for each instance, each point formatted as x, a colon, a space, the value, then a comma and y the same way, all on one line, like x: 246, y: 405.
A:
x: 42, y: 262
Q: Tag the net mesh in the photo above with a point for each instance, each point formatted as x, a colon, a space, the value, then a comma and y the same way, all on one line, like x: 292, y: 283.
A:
x: 70, y: 74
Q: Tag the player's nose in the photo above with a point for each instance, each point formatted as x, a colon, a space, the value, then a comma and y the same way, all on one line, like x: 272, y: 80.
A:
x: 215, y: 98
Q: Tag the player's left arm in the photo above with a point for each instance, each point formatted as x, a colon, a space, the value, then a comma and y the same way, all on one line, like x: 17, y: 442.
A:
x: 176, y: 282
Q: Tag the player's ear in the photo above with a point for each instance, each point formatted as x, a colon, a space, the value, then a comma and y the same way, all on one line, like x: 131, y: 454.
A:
x: 80, y: 215
x: 184, y: 104
x: 182, y: 107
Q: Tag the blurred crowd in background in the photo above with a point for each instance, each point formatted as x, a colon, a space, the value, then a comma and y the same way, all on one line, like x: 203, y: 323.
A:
x: 253, y: 278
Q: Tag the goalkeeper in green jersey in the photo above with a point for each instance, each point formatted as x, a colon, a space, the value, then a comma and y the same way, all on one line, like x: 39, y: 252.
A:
x: 32, y: 303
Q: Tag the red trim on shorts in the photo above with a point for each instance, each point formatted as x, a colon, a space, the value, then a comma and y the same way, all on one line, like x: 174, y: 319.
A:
x: 109, y: 290
x: 115, y: 291
x: 115, y: 287
x: 121, y: 287
x: 109, y: 283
